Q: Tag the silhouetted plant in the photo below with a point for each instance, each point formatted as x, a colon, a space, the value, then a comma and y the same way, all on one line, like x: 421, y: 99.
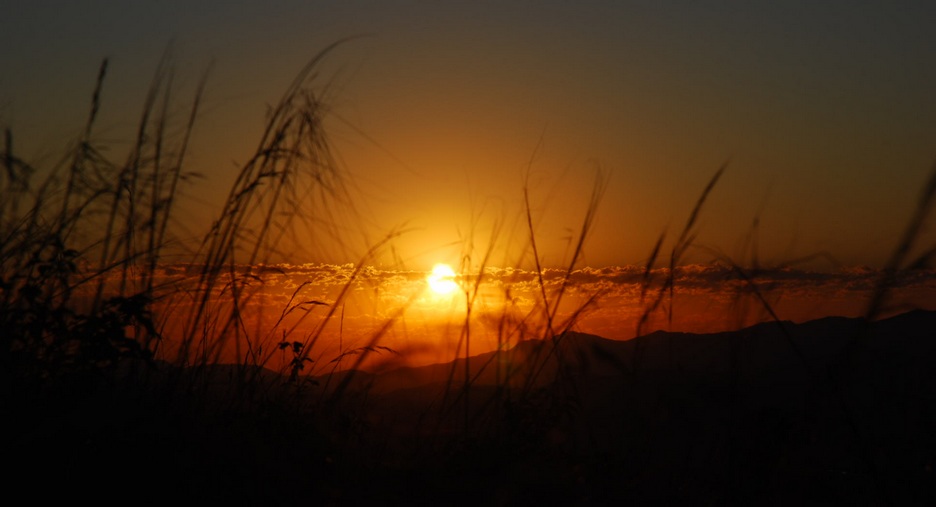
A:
x: 83, y: 304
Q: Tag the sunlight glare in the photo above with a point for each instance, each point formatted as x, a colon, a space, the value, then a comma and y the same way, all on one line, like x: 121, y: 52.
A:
x: 442, y: 279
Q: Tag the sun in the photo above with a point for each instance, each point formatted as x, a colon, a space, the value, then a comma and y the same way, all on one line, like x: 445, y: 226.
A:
x: 442, y: 279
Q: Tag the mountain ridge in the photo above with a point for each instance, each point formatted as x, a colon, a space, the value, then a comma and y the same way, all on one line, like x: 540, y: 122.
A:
x: 772, y: 346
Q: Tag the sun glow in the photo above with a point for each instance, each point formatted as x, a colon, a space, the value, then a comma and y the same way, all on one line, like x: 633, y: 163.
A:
x: 442, y: 279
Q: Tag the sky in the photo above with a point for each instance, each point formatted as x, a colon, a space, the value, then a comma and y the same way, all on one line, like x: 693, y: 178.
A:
x: 395, y: 308
x: 823, y: 112
x: 444, y: 113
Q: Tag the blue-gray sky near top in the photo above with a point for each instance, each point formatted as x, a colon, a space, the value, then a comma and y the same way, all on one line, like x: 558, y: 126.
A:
x: 824, y: 111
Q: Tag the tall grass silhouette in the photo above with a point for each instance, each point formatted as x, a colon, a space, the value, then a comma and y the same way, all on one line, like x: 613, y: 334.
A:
x: 106, y: 313
x: 124, y: 340
x: 99, y: 294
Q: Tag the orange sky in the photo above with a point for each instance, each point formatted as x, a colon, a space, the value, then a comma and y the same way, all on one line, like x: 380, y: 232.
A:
x: 397, y: 309
x: 825, y: 113
x: 442, y: 114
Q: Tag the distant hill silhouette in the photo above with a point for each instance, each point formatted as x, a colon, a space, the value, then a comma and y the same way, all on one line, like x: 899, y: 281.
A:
x: 830, y: 410
x: 768, y: 352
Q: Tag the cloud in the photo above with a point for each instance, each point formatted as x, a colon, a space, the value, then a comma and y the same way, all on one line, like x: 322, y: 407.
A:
x: 359, y: 301
x: 714, y: 279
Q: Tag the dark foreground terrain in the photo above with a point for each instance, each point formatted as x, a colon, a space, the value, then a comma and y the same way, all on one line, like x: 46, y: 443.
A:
x: 833, y: 411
